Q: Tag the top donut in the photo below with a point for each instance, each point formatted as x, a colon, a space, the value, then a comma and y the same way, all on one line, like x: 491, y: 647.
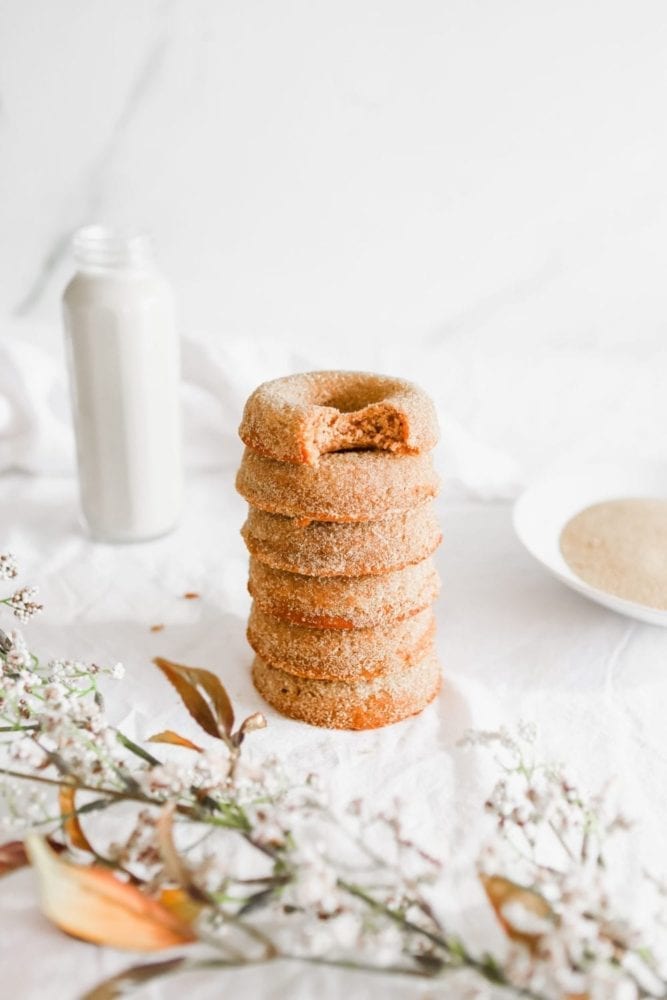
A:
x: 300, y: 417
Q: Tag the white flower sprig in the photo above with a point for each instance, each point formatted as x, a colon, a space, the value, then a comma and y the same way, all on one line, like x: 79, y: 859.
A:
x: 8, y: 567
x: 23, y: 604
x: 237, y: 852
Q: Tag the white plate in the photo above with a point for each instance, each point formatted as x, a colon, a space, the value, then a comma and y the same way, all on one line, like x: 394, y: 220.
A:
x: 541, y: 513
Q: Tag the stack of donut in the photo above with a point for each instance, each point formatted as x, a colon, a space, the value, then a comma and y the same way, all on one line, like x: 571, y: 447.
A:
x: 338, y: 475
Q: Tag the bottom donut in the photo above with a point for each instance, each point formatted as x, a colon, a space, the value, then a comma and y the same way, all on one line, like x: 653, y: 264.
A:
x: 366, y: 704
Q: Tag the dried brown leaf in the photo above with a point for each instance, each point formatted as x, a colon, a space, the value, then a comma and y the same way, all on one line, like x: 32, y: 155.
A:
x: 214, y: 713
x: 70, y: 821
x: 178, y: 902
x: 174, y: 864
x: 92, y: 904
x: 502, y: 894
x: 169, y: 736
x: 136, y: 975
x: 13, y: 856
x: 186, y: 687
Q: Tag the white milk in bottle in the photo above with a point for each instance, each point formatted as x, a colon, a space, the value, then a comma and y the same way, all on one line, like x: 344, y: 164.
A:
x: 123, y: 354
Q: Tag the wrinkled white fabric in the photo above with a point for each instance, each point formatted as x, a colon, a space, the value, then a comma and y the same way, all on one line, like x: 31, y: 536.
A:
x: 513, y: 643
x: 507, y: 412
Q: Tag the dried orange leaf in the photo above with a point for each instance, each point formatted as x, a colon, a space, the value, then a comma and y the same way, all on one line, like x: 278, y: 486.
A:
x: 523, y: 914
x: 169, y: 736
x: 183, y: 906
x: 219, y: 698
x: 174, y: 864
x: 12, y: 857
x: 186, y: 687
x: 214, y: 713
x: 117, y: 986
x: 70, y: 820
x: 92, y: 904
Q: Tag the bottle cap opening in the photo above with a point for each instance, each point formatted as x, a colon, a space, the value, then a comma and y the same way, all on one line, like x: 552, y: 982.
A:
x: 105, y: 247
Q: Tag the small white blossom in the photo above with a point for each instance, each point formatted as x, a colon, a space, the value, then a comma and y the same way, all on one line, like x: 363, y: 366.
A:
x: 67, y: 669
x: 297, y: 856
x: 168, y: 780
x: 346, y: 929
x: 17, y: 655
x: 526, y: 731
x: 23, y: 604
x: 8, y: 567
x: 521, y: 919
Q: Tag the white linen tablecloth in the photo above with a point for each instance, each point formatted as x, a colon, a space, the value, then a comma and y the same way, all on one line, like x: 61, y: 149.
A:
x: 469, y: 195
x: 513, y: 643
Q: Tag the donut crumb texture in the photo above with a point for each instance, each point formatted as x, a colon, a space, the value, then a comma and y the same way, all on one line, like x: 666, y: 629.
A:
x: 367, y: 704
x: 301, y: 417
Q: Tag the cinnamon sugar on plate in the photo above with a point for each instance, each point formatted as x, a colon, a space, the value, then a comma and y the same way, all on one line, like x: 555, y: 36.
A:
x: 620, y: 547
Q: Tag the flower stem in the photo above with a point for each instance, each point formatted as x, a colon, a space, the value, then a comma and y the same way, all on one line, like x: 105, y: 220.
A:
x: 454, y: 949
x: 136, y: 749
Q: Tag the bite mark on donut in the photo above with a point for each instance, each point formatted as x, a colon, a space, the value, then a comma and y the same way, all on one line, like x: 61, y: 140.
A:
x: 378, y: 426
x: 298, y: 418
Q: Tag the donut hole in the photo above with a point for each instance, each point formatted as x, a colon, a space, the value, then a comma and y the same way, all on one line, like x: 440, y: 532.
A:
x: 356, y: 397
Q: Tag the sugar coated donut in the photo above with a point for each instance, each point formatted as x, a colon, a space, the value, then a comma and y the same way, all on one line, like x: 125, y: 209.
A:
x: 341, y: 654
x: 366, y: 704
x: 344, y: 486
x: 300, y: 417
x: 321, y: 548
x: 340, y: 602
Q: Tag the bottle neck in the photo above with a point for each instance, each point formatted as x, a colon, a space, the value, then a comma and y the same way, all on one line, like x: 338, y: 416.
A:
x: 102, y: 249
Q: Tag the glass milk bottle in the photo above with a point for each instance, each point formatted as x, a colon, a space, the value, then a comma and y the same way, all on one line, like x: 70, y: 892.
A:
x: 123, y: 356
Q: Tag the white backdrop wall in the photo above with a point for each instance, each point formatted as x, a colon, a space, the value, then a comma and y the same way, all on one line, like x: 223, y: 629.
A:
x: 470, y: 192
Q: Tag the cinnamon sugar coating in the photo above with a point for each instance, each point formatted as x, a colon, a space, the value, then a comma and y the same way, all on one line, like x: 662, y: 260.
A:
x: 341, y: 654
x: 343, y: 602
x: 300, y: 417
x: 340, y: 530
x: 344, y: 486
x: 365, y: 704
x: 320, y: 548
